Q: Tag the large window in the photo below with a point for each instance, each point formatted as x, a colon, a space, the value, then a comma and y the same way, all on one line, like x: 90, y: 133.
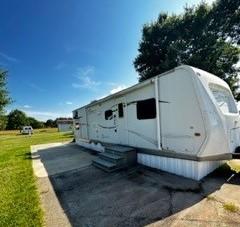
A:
x: 223, y: 98
x: 146, y: 109
x: 120, y: 110
x: 108, y: 114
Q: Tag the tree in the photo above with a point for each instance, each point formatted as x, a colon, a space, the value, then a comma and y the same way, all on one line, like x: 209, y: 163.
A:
x: 51, y: 123
x: 16, y: 119
x: 3, y: 122
x: 203, y: 36
x: 4, y: 98
x: 35, y: 123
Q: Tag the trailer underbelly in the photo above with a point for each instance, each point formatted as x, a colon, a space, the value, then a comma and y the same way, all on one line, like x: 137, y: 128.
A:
x: 188, y: 168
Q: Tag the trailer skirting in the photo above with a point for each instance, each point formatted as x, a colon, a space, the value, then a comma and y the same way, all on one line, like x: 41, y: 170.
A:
x: 188, y: 168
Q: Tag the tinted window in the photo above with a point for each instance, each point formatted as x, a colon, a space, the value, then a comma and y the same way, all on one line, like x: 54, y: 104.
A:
x: 120, y: 110
x: 75, y: 115
x: 108, y: 114
x: 146, y: 109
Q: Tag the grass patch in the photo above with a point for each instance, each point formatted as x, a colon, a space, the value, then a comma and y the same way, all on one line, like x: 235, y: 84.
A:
x: 211, y: 198
x: 234, y: 165
x: 230, y: 207
x: 19, y: 200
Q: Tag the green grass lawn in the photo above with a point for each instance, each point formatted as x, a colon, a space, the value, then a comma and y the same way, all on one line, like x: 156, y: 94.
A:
x: 19, y: 200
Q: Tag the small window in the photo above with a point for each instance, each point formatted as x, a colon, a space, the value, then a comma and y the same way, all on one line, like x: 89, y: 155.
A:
x: 223, y: 98
x: 77, y: 126
x: 146, y: 109
x: 75, y: 115
x: 120, y: 110
x: 108, y: 114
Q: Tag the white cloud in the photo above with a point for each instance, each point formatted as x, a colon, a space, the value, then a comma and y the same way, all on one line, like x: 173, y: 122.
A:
x: 84, y: 77
x: 27, y: 106
x: 101, y: 97
x: 117, y: 89
x: 68, y: 103
x: 113, y: 91
x: 86, y: 82
x: 8, y: 58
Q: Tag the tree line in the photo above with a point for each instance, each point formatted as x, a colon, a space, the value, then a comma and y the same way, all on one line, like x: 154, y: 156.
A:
x: 17, y: 118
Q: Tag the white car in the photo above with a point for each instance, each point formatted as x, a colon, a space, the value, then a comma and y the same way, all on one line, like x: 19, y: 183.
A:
x: 26, y: 130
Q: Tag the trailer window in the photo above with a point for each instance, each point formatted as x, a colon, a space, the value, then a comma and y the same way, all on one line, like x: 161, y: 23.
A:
x: 120, y: 110
x: 108, y: 114
x: 77, y: 126
x: 223, y: 98
x: 75, y: 115
x: 146, y: 109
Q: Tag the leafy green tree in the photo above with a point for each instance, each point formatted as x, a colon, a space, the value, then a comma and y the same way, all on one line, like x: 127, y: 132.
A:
x: 35, y: 123
x: 203, y: 36
x: 51, y: 123
x: 3, y: 122
x: 16, y: 119
x: 4, y: 96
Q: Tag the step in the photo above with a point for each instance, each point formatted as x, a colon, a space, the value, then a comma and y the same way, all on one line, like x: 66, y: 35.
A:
x: 102, y: 167
x: 108, y: 151
x: 118, y: 148
x: 109, y: 170
x: 106, y: 169
x: 110, y: 156
x: 103, y: 163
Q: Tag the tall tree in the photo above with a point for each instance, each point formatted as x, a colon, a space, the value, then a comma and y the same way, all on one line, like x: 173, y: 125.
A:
x: 51, y: 123
x: 16, y: 119
x: 3, y: 122
x: 4, y: 97
x: 203, y: 36
x: 35, y: 123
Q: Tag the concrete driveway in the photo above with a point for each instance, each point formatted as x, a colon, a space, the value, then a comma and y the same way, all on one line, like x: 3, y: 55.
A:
x: 55, y: 158
x: 74, y: 193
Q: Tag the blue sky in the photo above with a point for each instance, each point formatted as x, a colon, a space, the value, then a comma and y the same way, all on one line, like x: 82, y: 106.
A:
x: 63, y: 54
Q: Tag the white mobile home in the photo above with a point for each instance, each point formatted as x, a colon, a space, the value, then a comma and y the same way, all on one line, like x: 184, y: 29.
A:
x: 184, y: 121
x: 65, y: 125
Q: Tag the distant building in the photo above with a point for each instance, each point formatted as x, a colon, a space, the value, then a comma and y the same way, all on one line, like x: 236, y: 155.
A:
x: 65, y: 124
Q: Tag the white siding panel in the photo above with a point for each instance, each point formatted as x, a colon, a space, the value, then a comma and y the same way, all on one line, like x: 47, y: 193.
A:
x: 187, y: 168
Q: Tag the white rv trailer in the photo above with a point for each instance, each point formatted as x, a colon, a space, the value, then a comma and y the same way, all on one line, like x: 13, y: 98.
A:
x: 184, y: 121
